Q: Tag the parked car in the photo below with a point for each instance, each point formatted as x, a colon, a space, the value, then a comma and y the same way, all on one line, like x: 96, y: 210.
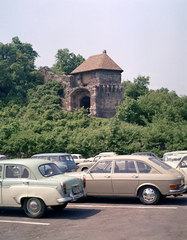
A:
x: 134, y: 176
x: 78, y: 158
x: 35, y: 184
x: 63, y: 160
x: 86, y: 165
x: 173, y: 158
x: 3, y: 157
x: 181, y: 165
x: 147, y: 154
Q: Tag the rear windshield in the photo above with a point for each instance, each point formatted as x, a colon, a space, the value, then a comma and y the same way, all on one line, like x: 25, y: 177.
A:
x: 69, y: 158
x: 49, y: 169
x: 160, y: 163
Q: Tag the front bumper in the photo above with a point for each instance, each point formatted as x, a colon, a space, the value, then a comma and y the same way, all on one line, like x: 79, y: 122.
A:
x: 72, y: 197
x: 179, y: 190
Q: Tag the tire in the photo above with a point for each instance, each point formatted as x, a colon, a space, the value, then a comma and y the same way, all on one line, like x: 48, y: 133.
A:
x: 162, y: 197
x: 34, y: 207
x: 149, y: 195
x: 59, y: 207
x: 85, y: 169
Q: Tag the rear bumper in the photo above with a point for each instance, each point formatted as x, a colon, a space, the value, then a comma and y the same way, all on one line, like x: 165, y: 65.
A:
x: 179, y: 190
x: 72, y: 197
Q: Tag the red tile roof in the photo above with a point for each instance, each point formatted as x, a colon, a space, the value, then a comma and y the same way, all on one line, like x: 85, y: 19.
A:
x: 96, y: 62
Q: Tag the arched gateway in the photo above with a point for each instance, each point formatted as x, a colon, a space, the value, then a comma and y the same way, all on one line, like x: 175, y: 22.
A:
x: 95, y: 84
x: 80, y: 98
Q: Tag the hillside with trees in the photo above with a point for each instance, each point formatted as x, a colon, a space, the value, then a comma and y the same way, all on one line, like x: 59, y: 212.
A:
x: 32, y: 119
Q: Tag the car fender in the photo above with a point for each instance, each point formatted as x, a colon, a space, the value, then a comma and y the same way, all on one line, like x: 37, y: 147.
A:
x: 147, y: 184
x: 42, y: 192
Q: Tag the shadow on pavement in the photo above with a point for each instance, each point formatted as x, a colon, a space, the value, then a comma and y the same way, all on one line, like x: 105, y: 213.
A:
x: 67, y: 213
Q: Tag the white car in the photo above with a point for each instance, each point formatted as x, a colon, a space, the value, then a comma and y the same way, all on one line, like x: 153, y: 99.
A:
x: 3, y: 157
x: 78, y: 158
x: 182, y: 166
x: 35, y: 184
x: 173, y: 158
x: 87, y: 164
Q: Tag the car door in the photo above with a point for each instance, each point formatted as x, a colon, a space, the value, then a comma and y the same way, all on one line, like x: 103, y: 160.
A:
x: 98, y: 179
x: 72, y: 167
x: 124, y: 178
x: 14, y: 185
x: 182, y: 167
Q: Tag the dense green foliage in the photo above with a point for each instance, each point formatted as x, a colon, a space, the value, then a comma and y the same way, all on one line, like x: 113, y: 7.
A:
x: 32, y: 119
x: 66, y: 62
x: 16, y: 72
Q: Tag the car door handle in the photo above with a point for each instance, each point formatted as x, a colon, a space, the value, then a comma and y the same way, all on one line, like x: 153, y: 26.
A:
x: 134, y: 176
x: 26, y: 182
x: 107, y: 176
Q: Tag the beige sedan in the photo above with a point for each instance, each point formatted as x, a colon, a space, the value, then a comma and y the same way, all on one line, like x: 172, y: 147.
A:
x: 130, y: 176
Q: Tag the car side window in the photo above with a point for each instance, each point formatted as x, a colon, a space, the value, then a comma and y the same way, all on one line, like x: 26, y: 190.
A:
x: 62, y: 159
x: 124, y: 166
x: 16, y: 172
x: 43, y: 157
x: 102, y: 167
x: 69, y: 158
x: 53, y: 158
x: 143, y: 167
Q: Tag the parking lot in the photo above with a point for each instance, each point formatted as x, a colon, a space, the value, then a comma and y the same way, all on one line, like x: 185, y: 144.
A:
x: 101, y: 218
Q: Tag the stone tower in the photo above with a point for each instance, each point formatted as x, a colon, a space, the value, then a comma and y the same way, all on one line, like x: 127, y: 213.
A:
x: 95, y: 84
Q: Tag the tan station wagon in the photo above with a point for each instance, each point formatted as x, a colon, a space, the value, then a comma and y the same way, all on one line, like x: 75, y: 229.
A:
x: 130, y: 176
x: 35, y: 184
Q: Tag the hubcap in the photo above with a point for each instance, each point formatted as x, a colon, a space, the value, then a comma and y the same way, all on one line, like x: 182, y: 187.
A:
x: 34, y: 206
x: 149, y: 195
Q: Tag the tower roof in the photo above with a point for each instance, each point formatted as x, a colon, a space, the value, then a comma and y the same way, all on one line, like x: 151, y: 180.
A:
x: 96, y: 62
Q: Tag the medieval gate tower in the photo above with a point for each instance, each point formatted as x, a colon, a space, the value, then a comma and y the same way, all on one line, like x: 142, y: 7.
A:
x: 95, y: 84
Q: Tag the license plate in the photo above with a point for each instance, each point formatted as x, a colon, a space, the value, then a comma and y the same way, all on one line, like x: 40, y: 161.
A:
x: 77, y: 190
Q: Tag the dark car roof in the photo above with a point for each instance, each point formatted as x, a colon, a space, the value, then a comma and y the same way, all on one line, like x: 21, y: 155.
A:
x: 51, y: 154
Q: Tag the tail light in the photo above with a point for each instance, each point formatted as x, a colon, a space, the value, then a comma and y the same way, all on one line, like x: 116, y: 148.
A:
x: 84, y: 181
x: 63, y: 185
x: 174, y: 186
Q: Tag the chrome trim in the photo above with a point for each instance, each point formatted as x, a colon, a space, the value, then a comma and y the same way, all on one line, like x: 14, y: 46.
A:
x: 16, y: 200
x: 179, y: 190
x: 72, y: 197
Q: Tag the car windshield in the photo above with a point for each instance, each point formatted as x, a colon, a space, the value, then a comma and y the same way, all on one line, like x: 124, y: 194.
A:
x: 49, y: 169
x: 96, y: 158
x: 173, y: 157
x: 159, y: 163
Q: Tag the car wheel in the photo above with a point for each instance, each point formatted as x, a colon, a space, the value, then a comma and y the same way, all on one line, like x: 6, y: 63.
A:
x: 85, y: 169
x: 34, y: 207
x: 149, y: 195
x: 59, y: 207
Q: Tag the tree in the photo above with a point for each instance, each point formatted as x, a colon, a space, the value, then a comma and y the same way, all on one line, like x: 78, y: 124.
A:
x: 138, y: 88
x: 16, y: 70
x: 66, y: 61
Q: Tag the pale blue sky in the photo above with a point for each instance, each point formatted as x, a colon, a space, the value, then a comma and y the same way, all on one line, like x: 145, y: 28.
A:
x: 146, y: 37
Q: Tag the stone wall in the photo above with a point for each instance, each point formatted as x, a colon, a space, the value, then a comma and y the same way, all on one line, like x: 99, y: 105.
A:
x: 102, y: 87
